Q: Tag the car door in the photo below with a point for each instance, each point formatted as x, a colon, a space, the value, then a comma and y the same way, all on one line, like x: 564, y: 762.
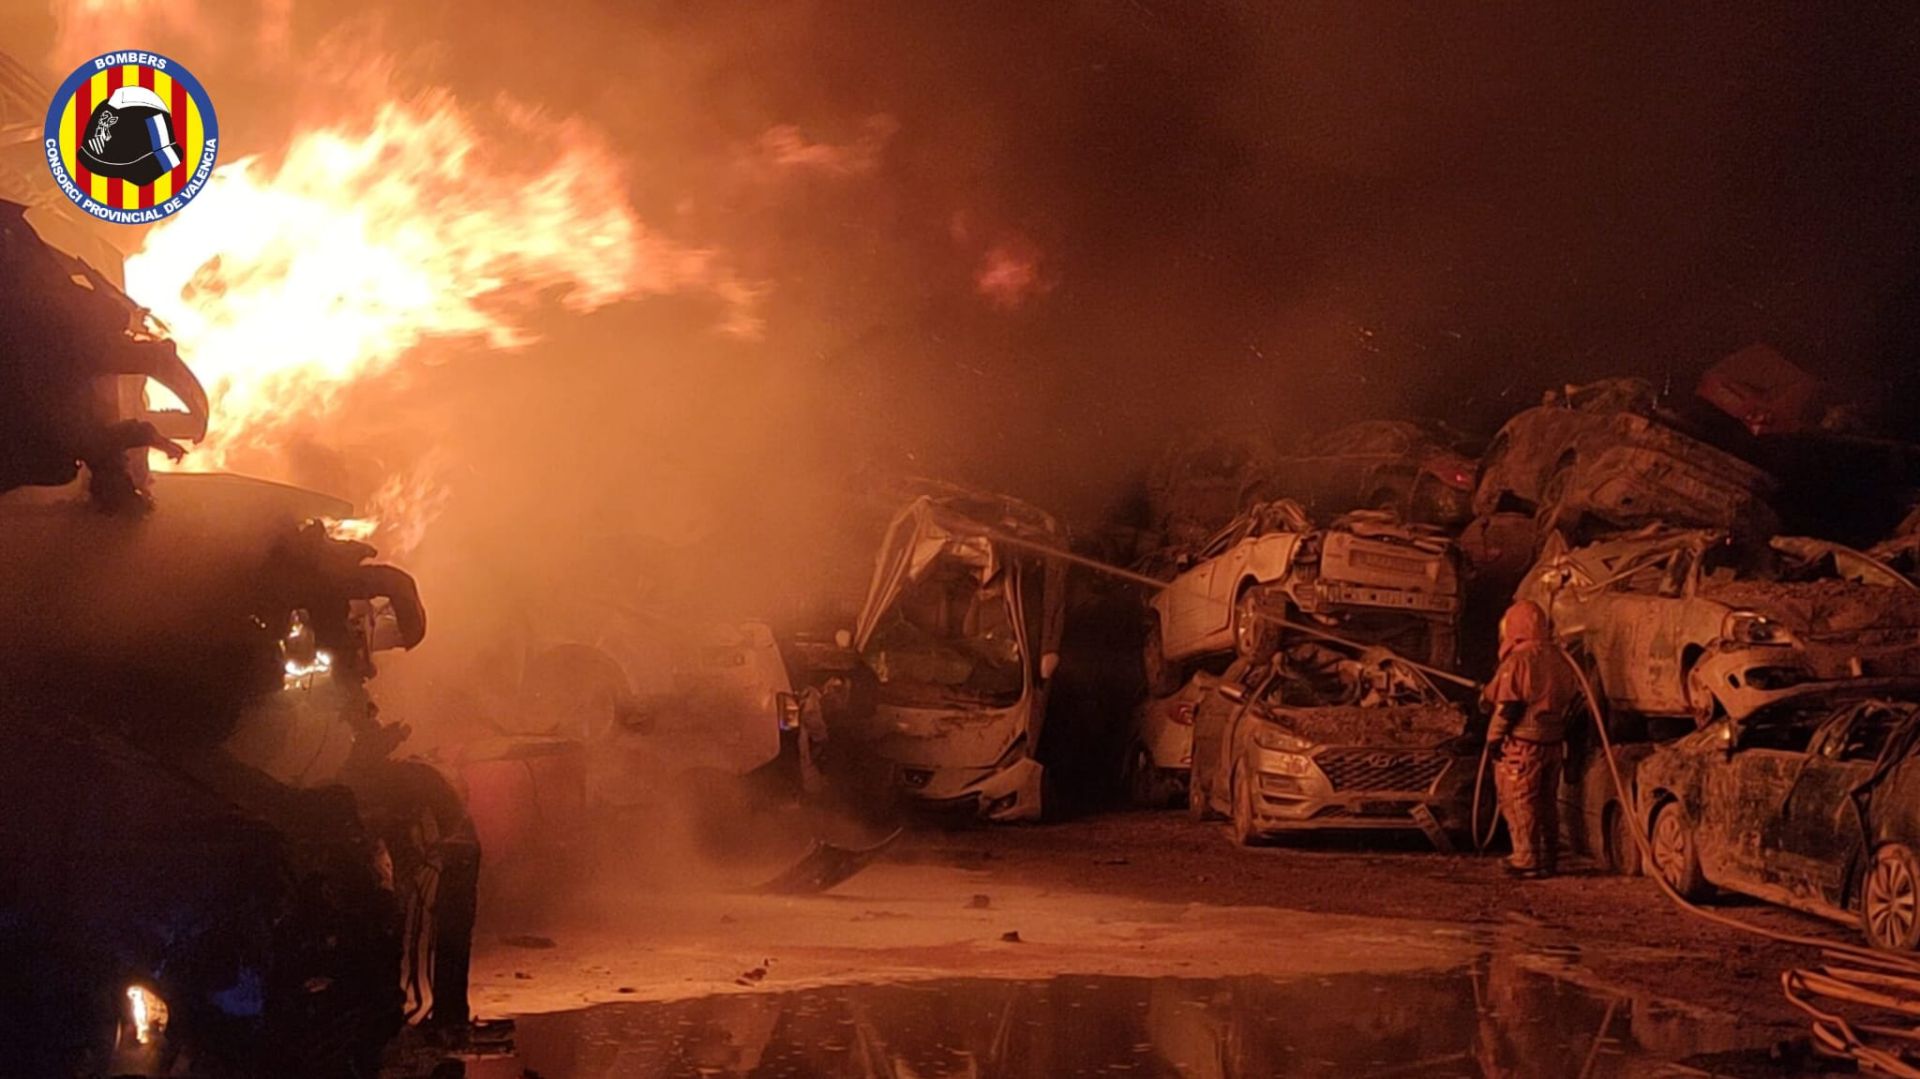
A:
x: 1633, y: 616
x: 1812, y: 841
x: 1190, y: 614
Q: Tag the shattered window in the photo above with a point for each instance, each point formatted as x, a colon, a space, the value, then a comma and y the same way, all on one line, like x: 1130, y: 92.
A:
x: 949, y: 640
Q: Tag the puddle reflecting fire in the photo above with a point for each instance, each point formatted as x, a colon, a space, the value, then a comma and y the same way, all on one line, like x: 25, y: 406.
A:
x: 1495, y: 1018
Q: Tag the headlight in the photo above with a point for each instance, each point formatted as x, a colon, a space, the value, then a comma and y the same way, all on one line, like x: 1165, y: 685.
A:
x: 146, y: 1013
x: 1268, y: 736
x: 1752, y: 627
x: 1287, y: 764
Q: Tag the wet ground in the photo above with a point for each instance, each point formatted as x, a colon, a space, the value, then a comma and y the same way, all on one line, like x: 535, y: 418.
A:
x: 1137, y: 945
x: 1489, y: 1018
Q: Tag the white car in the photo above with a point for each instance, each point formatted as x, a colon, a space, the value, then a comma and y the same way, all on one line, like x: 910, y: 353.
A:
x: 1365, y: 578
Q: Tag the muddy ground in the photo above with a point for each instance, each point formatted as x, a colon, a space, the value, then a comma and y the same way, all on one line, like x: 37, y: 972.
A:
x: 1138, y: 895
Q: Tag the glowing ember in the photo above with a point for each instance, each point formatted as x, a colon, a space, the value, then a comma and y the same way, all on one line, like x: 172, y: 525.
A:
x: 287, y: 284
x: 148, y: 1012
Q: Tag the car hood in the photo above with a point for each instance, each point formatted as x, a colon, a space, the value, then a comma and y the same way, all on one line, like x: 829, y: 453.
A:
x: 1828, y: 611
x: 1399, y: 727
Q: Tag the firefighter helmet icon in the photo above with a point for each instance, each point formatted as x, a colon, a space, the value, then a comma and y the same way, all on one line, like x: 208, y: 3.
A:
x: 130, y: 137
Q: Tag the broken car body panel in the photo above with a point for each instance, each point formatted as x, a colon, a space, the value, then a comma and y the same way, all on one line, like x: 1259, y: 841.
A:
x: 957, y: 627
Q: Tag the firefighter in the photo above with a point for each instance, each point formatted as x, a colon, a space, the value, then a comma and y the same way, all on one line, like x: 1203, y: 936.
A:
x: 1530, y: 692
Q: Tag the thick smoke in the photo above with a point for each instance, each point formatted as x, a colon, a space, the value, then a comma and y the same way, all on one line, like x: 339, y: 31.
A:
x: 1021, y: 245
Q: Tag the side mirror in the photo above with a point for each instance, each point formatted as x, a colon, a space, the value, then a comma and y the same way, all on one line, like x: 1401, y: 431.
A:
x: 1049, y: 663
x: 843, y: 638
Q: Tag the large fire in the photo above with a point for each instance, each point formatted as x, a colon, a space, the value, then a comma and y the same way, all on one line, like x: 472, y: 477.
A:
x: 285, y: 284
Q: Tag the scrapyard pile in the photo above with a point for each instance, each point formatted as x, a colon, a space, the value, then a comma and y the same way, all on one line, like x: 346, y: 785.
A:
x: 1735, y: 665
x: 212, y: 860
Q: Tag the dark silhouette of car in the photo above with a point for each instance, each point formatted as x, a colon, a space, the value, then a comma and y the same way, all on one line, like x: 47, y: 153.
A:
x: 1414, y: 469
x: 1811, y: 802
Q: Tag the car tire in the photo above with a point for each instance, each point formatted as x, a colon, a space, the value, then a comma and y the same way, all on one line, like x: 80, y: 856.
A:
x: 1162, y: 675
x: 1246, y: 832
x: 1890, y: 899
x: 1254, y: 639
x: 1676, y: 857
x: 1623, y: 854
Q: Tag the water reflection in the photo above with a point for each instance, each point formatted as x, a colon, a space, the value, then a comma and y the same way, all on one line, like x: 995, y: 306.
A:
x: 1495, y: 1019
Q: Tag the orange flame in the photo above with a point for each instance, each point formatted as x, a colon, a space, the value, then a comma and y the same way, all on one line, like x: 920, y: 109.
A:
x: 284, y: 285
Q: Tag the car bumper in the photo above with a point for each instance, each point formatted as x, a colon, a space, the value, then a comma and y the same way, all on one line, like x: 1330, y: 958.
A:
x: 1283, y: 801
x: 1004, y: 793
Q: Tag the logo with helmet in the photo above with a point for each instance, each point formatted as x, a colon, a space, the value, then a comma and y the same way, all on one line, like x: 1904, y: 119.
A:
x: 131, y: 137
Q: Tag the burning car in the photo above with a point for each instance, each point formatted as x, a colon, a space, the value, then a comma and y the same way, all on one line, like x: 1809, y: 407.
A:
x: 1607, y: 451
x: 1812, y: 802
x: 1391, y: 584
x: 961, y: 628
x: 1412, y: 469
x: 1687, y: 622
x: 1321, y: 740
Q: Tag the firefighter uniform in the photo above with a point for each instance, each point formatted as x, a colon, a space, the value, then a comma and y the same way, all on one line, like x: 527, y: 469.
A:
x: 1530, y: 692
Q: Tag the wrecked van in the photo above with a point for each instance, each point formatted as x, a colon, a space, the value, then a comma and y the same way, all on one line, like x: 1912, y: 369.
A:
x: 961, y: 629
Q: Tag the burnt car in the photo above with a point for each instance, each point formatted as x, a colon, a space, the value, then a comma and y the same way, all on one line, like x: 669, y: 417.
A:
x: 961, y: 630
x: 1689, y: 622
x: 1365, y: 575
x: 1607, y: 451
x: 1812, y: 802
x: 1318, y: 739
x: 1416, y: 470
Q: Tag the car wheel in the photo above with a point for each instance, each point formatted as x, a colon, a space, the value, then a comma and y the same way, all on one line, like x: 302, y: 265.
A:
x: 1675, y: 857
x: 1245, y: 831
x: 1163, y: 676
x: 1623, y: 854
x: 1890, y: 899
x: 1255, y: 638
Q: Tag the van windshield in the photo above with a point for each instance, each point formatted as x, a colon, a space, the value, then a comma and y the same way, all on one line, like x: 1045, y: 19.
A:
x: 949, y: 640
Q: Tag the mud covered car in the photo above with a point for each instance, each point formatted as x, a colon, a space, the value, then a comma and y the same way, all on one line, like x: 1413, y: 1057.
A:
x: 961, y: 628
x: 1199, y: 482
x: 1385, y: 583
x: 1607, y: 451
x: 1415, y: 470
x: 1812, y: 802
x: 1316, y: 740
x: 1688, y: 622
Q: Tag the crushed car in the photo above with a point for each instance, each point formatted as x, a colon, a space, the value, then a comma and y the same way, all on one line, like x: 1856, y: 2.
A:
x: 1607, y: 451
x: 961, y: 629
x: 1811, y: 801
x: 1327, y: 738
x: 1691, y: 622
x: 1415, y: 470
x: 1365, y: 575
